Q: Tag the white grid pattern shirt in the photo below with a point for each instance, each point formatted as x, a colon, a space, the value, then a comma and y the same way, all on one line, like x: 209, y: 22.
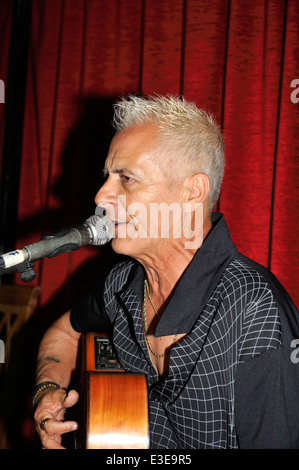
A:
x: 231, y: 381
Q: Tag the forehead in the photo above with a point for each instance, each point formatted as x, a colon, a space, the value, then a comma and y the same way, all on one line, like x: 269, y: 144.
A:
x: 133, y: 145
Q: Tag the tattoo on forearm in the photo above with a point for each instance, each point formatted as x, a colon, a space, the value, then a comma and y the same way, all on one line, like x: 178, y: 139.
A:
x: 40, y: 364
x: 48, y: 358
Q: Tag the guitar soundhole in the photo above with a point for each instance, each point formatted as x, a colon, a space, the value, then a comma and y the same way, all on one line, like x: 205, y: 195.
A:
x: 105, y: 357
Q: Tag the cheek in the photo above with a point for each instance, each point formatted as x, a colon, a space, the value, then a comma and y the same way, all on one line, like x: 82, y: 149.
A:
x: 142, y: 209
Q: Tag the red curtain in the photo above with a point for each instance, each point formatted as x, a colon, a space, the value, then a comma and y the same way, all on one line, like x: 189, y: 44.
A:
x: 235, y: 58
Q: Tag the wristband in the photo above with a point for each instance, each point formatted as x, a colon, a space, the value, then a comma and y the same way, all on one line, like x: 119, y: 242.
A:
x: 41, y: 387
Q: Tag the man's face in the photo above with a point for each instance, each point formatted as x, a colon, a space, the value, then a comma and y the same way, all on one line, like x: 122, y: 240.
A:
x: 135, y: 185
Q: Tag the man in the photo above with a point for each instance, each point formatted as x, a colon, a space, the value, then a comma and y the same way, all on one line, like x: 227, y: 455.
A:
x: 211, y: 330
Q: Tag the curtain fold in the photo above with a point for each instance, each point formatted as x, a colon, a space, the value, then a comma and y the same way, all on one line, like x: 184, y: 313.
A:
x: 234, y: 58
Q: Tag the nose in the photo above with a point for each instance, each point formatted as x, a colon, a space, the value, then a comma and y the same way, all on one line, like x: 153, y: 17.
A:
x: 111, y: 198
x: 107, y: 197
x: 107, y: 194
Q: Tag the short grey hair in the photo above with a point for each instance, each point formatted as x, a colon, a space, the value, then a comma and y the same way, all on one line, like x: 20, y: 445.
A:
x: 185, y: 131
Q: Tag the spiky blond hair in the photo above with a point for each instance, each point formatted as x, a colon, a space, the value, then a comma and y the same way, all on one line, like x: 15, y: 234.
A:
x: 185, y: 131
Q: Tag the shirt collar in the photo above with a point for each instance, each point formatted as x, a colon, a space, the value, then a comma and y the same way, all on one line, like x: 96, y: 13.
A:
x: 196, y: 284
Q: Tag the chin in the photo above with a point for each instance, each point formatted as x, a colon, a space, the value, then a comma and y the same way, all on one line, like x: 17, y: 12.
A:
x: 122, y: 246
x: 129, y: 246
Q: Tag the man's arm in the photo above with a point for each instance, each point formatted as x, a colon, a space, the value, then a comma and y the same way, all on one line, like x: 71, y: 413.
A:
x: 57, y: 359
x: 267, y: 397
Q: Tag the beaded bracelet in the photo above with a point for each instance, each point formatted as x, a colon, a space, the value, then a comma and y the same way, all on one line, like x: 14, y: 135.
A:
x: 40, y: 387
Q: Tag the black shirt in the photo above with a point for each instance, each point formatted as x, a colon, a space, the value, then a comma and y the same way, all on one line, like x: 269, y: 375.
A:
x: 233, y: 381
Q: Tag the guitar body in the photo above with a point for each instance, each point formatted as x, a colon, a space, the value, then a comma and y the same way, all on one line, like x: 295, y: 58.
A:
x: 115, y: 404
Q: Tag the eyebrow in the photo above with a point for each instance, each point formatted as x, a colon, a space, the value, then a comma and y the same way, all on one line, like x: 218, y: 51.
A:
x: 120, y: 170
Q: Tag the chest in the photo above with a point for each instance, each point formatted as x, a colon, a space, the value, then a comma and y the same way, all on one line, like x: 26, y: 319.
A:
x: 159, y: 350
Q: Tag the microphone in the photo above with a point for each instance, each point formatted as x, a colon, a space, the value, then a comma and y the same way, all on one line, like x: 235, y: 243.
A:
x: 96, y: 230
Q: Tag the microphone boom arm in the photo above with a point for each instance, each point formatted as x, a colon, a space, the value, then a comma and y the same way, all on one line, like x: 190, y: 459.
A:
x: 25, y: 268
x: 97, y: 230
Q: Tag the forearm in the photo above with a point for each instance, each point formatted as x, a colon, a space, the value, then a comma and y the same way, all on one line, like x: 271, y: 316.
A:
x: 57, y: 359
x: 57, y: 356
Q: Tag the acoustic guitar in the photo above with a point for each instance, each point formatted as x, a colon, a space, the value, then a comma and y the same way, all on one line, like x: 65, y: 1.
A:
x: 115, y: 402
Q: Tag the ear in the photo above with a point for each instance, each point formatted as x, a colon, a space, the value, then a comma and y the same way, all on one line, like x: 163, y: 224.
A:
x: 198, y: 187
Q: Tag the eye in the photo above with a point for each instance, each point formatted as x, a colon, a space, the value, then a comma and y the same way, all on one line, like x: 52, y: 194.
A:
x: 125, y: 179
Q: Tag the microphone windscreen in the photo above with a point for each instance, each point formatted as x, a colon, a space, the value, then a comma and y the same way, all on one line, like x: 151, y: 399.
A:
x: 102, y: 229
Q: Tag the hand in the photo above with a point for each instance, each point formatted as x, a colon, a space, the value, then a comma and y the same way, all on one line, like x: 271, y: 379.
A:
x: 50, y: 410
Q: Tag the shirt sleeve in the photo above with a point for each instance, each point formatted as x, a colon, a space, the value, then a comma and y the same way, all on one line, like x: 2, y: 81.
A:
x: 266, y: 401
x: 96, y: 311
x: 90, y: 314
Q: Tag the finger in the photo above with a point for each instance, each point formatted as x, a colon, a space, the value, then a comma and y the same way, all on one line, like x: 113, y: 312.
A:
x: 71, y: 399
x: 57, y: 428
x: 49, y: 442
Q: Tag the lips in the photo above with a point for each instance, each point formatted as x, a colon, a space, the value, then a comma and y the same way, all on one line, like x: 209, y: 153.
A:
x: 119, y: 223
